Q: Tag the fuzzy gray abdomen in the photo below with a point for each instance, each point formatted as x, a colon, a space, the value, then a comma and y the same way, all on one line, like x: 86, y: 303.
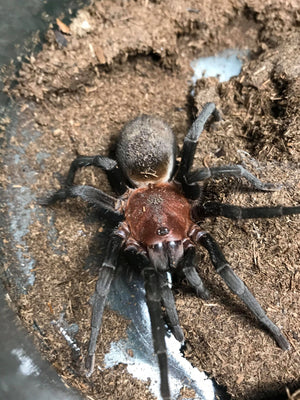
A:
x: 146, y: 150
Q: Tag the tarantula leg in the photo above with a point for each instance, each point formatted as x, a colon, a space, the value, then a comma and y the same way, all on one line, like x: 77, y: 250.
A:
x: 230, y: 170
x: 192, y: 191
x: 153, y: 298
x: 169, y: 303
x: 105, y: 277
x: 191, y: 139
x: 108, y: 165
x: 212, y: 209
x: 187, y: 266
x: 236, y: 285
x: 93, y: 196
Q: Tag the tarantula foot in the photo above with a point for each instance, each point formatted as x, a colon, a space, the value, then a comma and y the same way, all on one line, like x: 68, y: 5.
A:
x: 60, y: 194
x: 178, y: 333
x: 89, y: 365
x: 203, y: 294
x: 282, y: 342
x: 43, y: 201
x: 270, y: 187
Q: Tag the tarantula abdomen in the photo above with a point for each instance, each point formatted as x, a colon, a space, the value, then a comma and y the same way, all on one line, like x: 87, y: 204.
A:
x: 146, y: 150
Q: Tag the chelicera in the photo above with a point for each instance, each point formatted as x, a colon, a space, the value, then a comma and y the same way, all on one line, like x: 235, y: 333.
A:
x: 156, y: 214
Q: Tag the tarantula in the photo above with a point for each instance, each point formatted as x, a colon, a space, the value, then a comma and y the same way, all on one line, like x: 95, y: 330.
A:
x: 156, y: 214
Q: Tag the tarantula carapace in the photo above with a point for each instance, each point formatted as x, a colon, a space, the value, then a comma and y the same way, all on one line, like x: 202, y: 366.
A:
x: 156, y: 211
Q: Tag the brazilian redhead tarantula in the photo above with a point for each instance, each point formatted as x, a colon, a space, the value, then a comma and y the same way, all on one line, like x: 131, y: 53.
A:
x: 157, y: 210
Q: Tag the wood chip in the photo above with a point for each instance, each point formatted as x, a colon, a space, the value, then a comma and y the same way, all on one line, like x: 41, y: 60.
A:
x: 100, y: 55
x: 63, y: 27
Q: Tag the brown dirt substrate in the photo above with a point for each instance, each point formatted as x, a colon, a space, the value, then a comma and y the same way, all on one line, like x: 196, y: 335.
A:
x: 129, y: 58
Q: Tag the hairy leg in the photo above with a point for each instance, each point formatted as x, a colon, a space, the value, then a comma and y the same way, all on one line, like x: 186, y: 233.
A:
x: 106, y: 274
x: 212, y: 209
x: 192, y: 137
x: 108, y: 165
x: 153, y: 298
x: 236, y: 285
x: 95, y: 197
x: 187, y: 266
x: 170, y: 306
x: 236, y: 171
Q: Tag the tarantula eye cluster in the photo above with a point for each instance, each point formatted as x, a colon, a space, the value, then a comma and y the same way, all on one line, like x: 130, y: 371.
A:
x: 156, y: 218
x: 162, y: 231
